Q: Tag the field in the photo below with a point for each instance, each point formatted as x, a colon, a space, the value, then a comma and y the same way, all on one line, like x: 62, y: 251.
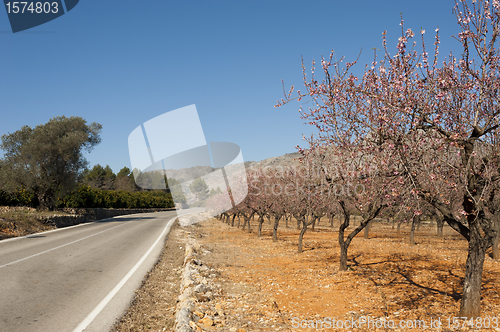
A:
x: 387, y: 279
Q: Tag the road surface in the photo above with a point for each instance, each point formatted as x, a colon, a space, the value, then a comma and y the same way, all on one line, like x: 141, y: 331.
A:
x: 81, y: 277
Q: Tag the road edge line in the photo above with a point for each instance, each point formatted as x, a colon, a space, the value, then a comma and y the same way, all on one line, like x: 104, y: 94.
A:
x: 93, y: 314
x: 62, y: 246
x: 73, y: 226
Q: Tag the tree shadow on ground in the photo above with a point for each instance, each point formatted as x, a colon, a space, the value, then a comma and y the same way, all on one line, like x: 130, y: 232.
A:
x: 416, y: 280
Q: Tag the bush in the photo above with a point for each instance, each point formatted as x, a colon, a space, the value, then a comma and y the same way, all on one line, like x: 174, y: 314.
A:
x: 86, y: 197
x: 20, y: 197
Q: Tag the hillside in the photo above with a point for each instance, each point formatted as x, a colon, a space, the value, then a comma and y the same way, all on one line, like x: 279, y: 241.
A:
x: 289, y: 159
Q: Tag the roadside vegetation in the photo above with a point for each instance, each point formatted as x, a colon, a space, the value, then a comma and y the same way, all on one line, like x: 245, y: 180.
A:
x: 20, y: 221
x: 44, y: 168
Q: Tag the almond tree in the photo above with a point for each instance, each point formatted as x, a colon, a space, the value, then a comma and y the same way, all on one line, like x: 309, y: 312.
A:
x: 274, y: 186
x: 259, y: 202
x: 303, y: 198
x: 438, y: 119
x: 354, y: 181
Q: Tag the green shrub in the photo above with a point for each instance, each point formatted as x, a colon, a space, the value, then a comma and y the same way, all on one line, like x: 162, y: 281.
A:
x: 86, y: 197
x: 20, y: 197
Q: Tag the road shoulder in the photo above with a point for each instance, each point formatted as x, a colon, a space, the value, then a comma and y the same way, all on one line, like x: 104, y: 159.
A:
x: 153, y: 307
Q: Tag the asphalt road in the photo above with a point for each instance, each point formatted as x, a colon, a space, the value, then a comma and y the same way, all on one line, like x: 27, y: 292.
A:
x: 78, y: 278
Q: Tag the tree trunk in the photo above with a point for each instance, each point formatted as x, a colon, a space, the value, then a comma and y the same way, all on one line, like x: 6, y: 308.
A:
x: 440, y: 225
x: 343, y: 258
x: 331, y: 220
x: 314, y: 223
x: 275, y: 227
x: 249, y: 225
x: 246, y: 221
x: 343, y: 245
x: 412, y: 231
x: 494, y: 246
x: 232, y: 221
x: 494, y: 249
x: 301, y: 236
x: 239, y: 221
x: 286, y: 220
x: 470, y: 306
x: 45, y: 201
x: 367, y: 230
x: 393, y: 222
x: 399, y: 227
x: 261, y: 221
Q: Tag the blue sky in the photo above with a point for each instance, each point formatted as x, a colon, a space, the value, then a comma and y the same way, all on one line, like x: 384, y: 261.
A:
x: 121, y: 63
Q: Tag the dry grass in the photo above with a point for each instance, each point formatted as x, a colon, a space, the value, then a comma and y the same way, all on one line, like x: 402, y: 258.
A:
x: 22, y: 221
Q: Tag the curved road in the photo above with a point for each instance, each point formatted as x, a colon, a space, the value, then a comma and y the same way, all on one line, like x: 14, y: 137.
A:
x: 81, y: 277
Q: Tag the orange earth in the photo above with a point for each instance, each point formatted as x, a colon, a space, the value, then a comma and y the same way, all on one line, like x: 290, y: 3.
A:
x: 390, y: 286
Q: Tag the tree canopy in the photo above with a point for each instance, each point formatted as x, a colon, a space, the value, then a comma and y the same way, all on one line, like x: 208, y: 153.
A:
x: 48, y: 158
x: 200, y: 188
x: 99, y: 177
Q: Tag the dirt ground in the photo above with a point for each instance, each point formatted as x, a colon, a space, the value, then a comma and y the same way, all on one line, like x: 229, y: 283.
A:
x: 22, y: 221
x: 389, y: 286
x: 386, y: 278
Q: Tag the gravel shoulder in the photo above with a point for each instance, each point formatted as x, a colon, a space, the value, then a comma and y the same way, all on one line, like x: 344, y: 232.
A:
x: 154, y: 305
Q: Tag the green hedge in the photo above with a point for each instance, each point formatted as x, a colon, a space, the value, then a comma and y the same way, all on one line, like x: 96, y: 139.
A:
x: 86, y: 197
x: 20, y: 197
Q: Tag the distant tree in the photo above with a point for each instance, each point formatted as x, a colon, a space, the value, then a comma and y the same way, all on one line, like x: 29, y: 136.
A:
x: 124, y: 180
x: 153, y: 180
x: 99, y: 177
x: 124, y: 172
x: 175, y: 190
x: 200, y: 188
x: 48, y: 158
x: 149, y: 180
x: 171, y: 183
x: 214, y: 192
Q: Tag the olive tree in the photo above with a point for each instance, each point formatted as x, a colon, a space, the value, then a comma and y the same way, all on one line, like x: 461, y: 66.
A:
x: 48, y: 158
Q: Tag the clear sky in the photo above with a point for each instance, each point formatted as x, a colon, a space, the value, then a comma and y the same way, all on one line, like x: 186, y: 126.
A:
x: 121, y: 63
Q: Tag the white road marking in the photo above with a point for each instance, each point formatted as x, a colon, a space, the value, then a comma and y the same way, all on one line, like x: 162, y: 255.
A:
x: 69, y: 227
x: 93, y: 314
x: 45, y: 232
x: 64, y: 245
